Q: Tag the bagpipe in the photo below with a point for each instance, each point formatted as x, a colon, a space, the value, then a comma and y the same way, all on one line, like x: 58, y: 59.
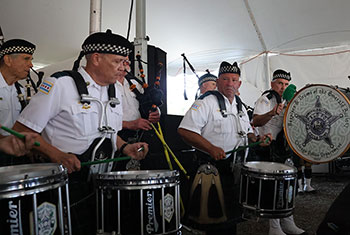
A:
x: 152, y: 97
x: 30, y: 84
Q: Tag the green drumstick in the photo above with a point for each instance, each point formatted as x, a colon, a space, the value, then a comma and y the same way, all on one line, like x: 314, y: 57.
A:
x: 289, y: 92
x: 105, y: 161
x: 248, y: 146
x: 19, y: 135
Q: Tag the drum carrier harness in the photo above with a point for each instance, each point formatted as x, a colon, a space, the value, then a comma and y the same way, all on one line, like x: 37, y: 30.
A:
x: 279, y: 149
x: 102, y: 147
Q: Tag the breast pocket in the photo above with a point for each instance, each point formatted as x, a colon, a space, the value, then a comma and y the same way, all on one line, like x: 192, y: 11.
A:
x: 221, y: 124
x: 115, y: 117
x: 85, y: 121
x: 4, y: 106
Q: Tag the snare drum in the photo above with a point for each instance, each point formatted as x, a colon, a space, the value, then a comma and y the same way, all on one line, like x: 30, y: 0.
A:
x: 34, y: 199
x: 267, y: 189
x: 317, y: 123
x: 138, y: 202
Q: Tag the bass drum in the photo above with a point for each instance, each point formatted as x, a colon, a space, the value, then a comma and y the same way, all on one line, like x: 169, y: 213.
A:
x: 317, y: 123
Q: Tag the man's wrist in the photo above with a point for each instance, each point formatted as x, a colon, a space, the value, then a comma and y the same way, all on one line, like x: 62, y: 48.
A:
x: 121, y: 150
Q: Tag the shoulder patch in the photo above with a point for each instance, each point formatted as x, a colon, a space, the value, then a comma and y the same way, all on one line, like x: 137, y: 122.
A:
x: 195, y: 106
x: 45, y: 87
x: 265, y: 100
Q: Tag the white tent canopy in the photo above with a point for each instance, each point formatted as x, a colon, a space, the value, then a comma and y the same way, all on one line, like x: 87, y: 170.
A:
x: 207, y: 31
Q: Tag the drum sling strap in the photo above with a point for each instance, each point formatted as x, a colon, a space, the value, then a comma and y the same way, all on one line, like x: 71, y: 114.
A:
x: 221, y: 101
x: 104, y: 149
x: 278, y: 150
x: 272, y: 93
x: 20, y: 95
x: 81, y: 84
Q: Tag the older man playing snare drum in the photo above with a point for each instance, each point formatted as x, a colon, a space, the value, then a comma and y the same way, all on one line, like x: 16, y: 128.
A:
x: 214, y: 125
x: 67, y: 112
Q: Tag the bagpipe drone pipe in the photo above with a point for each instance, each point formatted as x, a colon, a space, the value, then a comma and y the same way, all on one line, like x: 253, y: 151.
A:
x: 155, y: 91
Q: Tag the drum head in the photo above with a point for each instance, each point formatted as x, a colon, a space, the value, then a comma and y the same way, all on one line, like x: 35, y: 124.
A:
x: 269, y: 167
x: 20, y: 180
x: 137, y: 178
x: 317, y: 123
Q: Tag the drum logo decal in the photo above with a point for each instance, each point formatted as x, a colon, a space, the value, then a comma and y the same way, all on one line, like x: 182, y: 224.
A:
x: 14, y: 218
x: 290, y: 194
x: 318, y: 123
x: 152, y: 223
x: 280, y: 201
x: 168, y: 207
x: 47, y: 220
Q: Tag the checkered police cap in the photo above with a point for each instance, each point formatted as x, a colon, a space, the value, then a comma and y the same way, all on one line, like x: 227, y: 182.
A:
x: 226, y: 67
x: 14, y: 46
x: 279, y: 73
x: 107, y: 42
x: 206, y: 78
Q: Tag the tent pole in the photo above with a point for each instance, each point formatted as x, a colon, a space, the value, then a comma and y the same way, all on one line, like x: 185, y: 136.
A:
x: 140, y: 41
x: 95, y: 16
x: 262, y: 42
x: 267, y: 70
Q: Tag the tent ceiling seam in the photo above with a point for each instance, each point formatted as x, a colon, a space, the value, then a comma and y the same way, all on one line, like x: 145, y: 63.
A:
x: 257, y: 30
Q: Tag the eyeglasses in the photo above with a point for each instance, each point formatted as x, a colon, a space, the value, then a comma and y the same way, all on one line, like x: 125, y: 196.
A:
x: 123, y: 62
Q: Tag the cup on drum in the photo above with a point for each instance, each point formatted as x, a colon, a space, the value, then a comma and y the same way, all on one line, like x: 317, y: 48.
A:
x: 34, y: 199
x: 267, y: 189
x: 138, y: 202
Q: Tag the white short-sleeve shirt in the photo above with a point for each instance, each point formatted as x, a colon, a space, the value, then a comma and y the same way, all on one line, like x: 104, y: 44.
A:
x: 204, y: 118
x: 275, y: 125
x: 56, y: 112
x: 10, y: 106
x: 130, y: 103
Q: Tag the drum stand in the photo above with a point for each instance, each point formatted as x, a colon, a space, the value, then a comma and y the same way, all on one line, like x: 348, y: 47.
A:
x: 106, y: 130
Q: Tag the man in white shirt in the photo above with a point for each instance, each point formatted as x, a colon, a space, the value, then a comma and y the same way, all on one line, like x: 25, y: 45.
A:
x: 214, y: 131
x: 15, y: 63
x: 69, y: 126
x: 268, y: 118
x: 74, y: 110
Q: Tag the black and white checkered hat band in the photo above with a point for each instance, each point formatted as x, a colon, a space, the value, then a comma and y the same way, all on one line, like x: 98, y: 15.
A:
x: 207, y: 79
x: 106, y: 48
x: 281, y: 75
x: 228, y: 69
x: 17, y: 49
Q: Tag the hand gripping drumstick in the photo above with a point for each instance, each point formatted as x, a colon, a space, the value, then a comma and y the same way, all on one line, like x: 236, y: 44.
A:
x: 105, y: 161
x: 248, y: 146
x: 15, y: 133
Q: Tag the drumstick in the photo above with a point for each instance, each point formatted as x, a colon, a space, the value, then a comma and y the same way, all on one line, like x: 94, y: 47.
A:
x: 289, y: 93
x: 15, y: 133
x: 248, y: 146
x: 105, y: 161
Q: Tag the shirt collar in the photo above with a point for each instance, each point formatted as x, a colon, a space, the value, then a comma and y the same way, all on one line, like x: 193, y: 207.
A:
x: 88, y: 79
x: 3, y: 83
